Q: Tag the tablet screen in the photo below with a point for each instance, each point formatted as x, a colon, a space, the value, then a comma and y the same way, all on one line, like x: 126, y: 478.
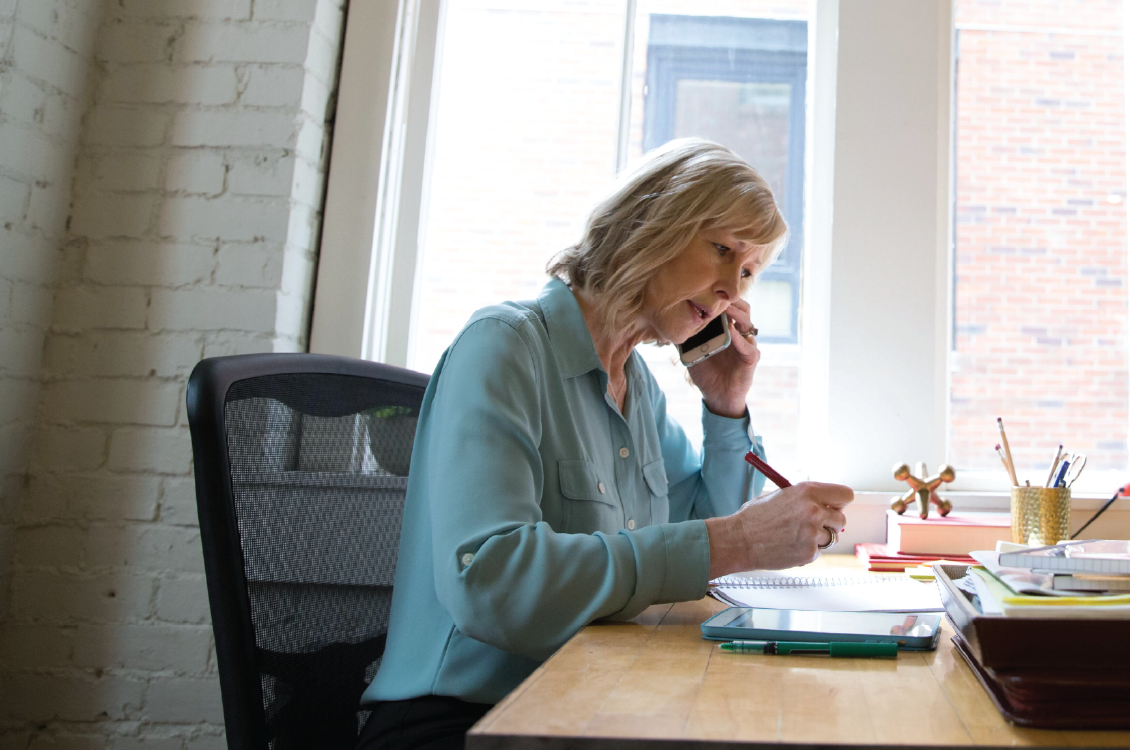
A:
x: 856, y: 623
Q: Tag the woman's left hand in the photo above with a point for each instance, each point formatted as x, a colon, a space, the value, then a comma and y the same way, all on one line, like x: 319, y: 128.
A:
x: 725, y: 378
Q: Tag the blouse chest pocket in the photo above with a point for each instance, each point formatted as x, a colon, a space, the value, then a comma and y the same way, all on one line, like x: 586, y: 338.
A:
x: 655, y: 475
x: 589, y: 504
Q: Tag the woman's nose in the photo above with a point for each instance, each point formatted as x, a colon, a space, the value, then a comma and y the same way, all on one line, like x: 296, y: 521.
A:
x: 726, y: 288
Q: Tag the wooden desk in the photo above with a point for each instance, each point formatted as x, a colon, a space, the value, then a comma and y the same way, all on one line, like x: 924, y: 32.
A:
x: 655, y: 682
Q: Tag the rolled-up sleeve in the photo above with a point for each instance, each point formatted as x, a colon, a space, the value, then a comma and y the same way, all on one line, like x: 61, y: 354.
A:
x: 505, y: 576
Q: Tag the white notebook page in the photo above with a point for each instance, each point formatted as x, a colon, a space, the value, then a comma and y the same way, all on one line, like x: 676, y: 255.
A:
x: 894, y: 593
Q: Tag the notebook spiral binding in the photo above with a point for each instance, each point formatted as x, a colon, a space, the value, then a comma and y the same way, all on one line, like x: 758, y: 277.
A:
x: 794, y: 582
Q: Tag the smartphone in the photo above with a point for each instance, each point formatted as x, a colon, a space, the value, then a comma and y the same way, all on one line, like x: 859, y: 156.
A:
x: 911, y: 631
x: 709, y: 341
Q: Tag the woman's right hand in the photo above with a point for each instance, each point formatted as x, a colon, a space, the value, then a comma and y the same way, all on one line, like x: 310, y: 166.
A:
x: 780, y: 530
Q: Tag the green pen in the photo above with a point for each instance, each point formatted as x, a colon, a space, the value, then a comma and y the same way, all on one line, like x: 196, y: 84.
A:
x: 800, y: 648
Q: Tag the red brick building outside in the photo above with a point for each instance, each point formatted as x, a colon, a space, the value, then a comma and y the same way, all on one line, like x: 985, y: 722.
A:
x: 1040, y: 327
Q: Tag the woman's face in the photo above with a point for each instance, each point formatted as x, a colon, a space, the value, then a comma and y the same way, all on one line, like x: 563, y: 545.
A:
x: 698, y: 284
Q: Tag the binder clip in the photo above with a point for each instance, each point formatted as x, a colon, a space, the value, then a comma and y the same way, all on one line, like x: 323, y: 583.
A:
x: 924, y: 487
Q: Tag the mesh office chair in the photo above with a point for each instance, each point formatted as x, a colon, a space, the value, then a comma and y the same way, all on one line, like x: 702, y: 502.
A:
x: 301, y: 468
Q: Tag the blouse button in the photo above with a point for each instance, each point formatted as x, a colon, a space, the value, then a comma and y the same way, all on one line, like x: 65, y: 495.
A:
x: 624, y: 453
x: 467, y: 558
x: 631, y: 524
x: 600, y: 487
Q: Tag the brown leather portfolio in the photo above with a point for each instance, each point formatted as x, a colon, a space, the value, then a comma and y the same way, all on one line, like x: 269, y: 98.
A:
x: 1055, y: 698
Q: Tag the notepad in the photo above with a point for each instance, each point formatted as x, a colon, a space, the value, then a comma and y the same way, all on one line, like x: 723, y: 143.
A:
x: 1110, y: 556
x: 881, y: 593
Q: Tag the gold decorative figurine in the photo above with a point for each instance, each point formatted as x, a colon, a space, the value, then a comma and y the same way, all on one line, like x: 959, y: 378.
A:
x: 924, y: 487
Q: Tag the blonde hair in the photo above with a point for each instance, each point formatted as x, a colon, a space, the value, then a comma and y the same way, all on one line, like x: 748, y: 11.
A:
x: 652, y: 214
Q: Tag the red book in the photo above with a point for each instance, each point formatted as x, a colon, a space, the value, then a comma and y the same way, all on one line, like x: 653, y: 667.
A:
x: 881, y: 557
x: 959, y: 533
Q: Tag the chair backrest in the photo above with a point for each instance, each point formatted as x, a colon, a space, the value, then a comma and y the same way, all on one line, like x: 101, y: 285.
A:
x: 301, y: 465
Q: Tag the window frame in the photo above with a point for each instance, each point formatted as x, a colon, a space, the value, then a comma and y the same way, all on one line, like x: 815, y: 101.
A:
x: 367, y: 280
x: 874, y: 384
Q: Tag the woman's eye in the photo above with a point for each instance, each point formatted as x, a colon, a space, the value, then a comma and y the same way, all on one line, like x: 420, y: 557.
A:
x: 746, y: 273
x: 722, y: 249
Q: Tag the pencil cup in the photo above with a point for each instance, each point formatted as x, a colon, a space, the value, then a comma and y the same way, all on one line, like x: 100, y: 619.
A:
x: 1040, y: 516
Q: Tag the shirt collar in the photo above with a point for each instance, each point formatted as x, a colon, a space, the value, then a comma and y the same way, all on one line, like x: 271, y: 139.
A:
x: 568, y: 333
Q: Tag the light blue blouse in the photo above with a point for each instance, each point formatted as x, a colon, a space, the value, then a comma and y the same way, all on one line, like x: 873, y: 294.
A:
x: 534, y: 507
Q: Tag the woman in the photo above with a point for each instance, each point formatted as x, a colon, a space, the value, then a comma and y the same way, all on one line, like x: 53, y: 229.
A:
x: 549, y: 488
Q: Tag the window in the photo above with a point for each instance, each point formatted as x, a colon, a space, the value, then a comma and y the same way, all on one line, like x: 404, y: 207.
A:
x: 894, y: 213
x: 525, y: 130
x: 1040, y: 264
x: 740, y: 82
x: 738, y: 78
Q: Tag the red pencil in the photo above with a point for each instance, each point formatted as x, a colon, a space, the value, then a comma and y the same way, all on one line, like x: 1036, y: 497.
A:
x: 769, y: 472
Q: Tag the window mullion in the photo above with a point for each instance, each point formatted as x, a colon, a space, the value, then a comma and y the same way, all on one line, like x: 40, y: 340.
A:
x: 342, y: 311
x: 624, y: 119
x: 410, y: 204
x: 816, y: 281
x: 885, y: 364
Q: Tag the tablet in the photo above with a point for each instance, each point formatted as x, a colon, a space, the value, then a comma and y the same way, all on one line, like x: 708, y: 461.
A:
x: 912, y: 632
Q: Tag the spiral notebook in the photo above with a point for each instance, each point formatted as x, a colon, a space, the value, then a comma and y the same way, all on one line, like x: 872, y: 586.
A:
x: 858, y: 593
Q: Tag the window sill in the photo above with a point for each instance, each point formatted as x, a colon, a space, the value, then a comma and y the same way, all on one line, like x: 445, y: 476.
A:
x: 981, y: 501
x: 867, y: 515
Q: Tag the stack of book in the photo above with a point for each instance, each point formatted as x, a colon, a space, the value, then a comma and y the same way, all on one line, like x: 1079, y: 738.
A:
x: 912, y: 541
x: 1085, y: 579
x: 880, y: 557
x: 1044, y: 631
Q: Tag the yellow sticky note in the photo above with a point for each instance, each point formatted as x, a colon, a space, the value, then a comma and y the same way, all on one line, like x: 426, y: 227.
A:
x: 921, y: 573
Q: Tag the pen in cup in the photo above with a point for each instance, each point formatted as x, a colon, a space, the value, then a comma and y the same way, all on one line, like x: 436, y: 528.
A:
x: 1055, y: 465
x: 1063, y: 465
x: 1007, y: 454
x: 1004, y: 461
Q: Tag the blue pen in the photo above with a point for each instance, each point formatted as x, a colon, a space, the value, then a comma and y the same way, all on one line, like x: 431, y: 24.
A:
x: 1061, y: 473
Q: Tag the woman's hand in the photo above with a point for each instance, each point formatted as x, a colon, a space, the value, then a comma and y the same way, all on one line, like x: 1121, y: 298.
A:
x: 780, y: 530
x: 725, y: 378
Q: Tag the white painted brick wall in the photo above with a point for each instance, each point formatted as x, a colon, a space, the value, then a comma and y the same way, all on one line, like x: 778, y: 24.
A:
x: 43, y: 57
x: 199, y: 172
x: 163, y: 83
x: 45, y: 51
x: 194, y: 190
